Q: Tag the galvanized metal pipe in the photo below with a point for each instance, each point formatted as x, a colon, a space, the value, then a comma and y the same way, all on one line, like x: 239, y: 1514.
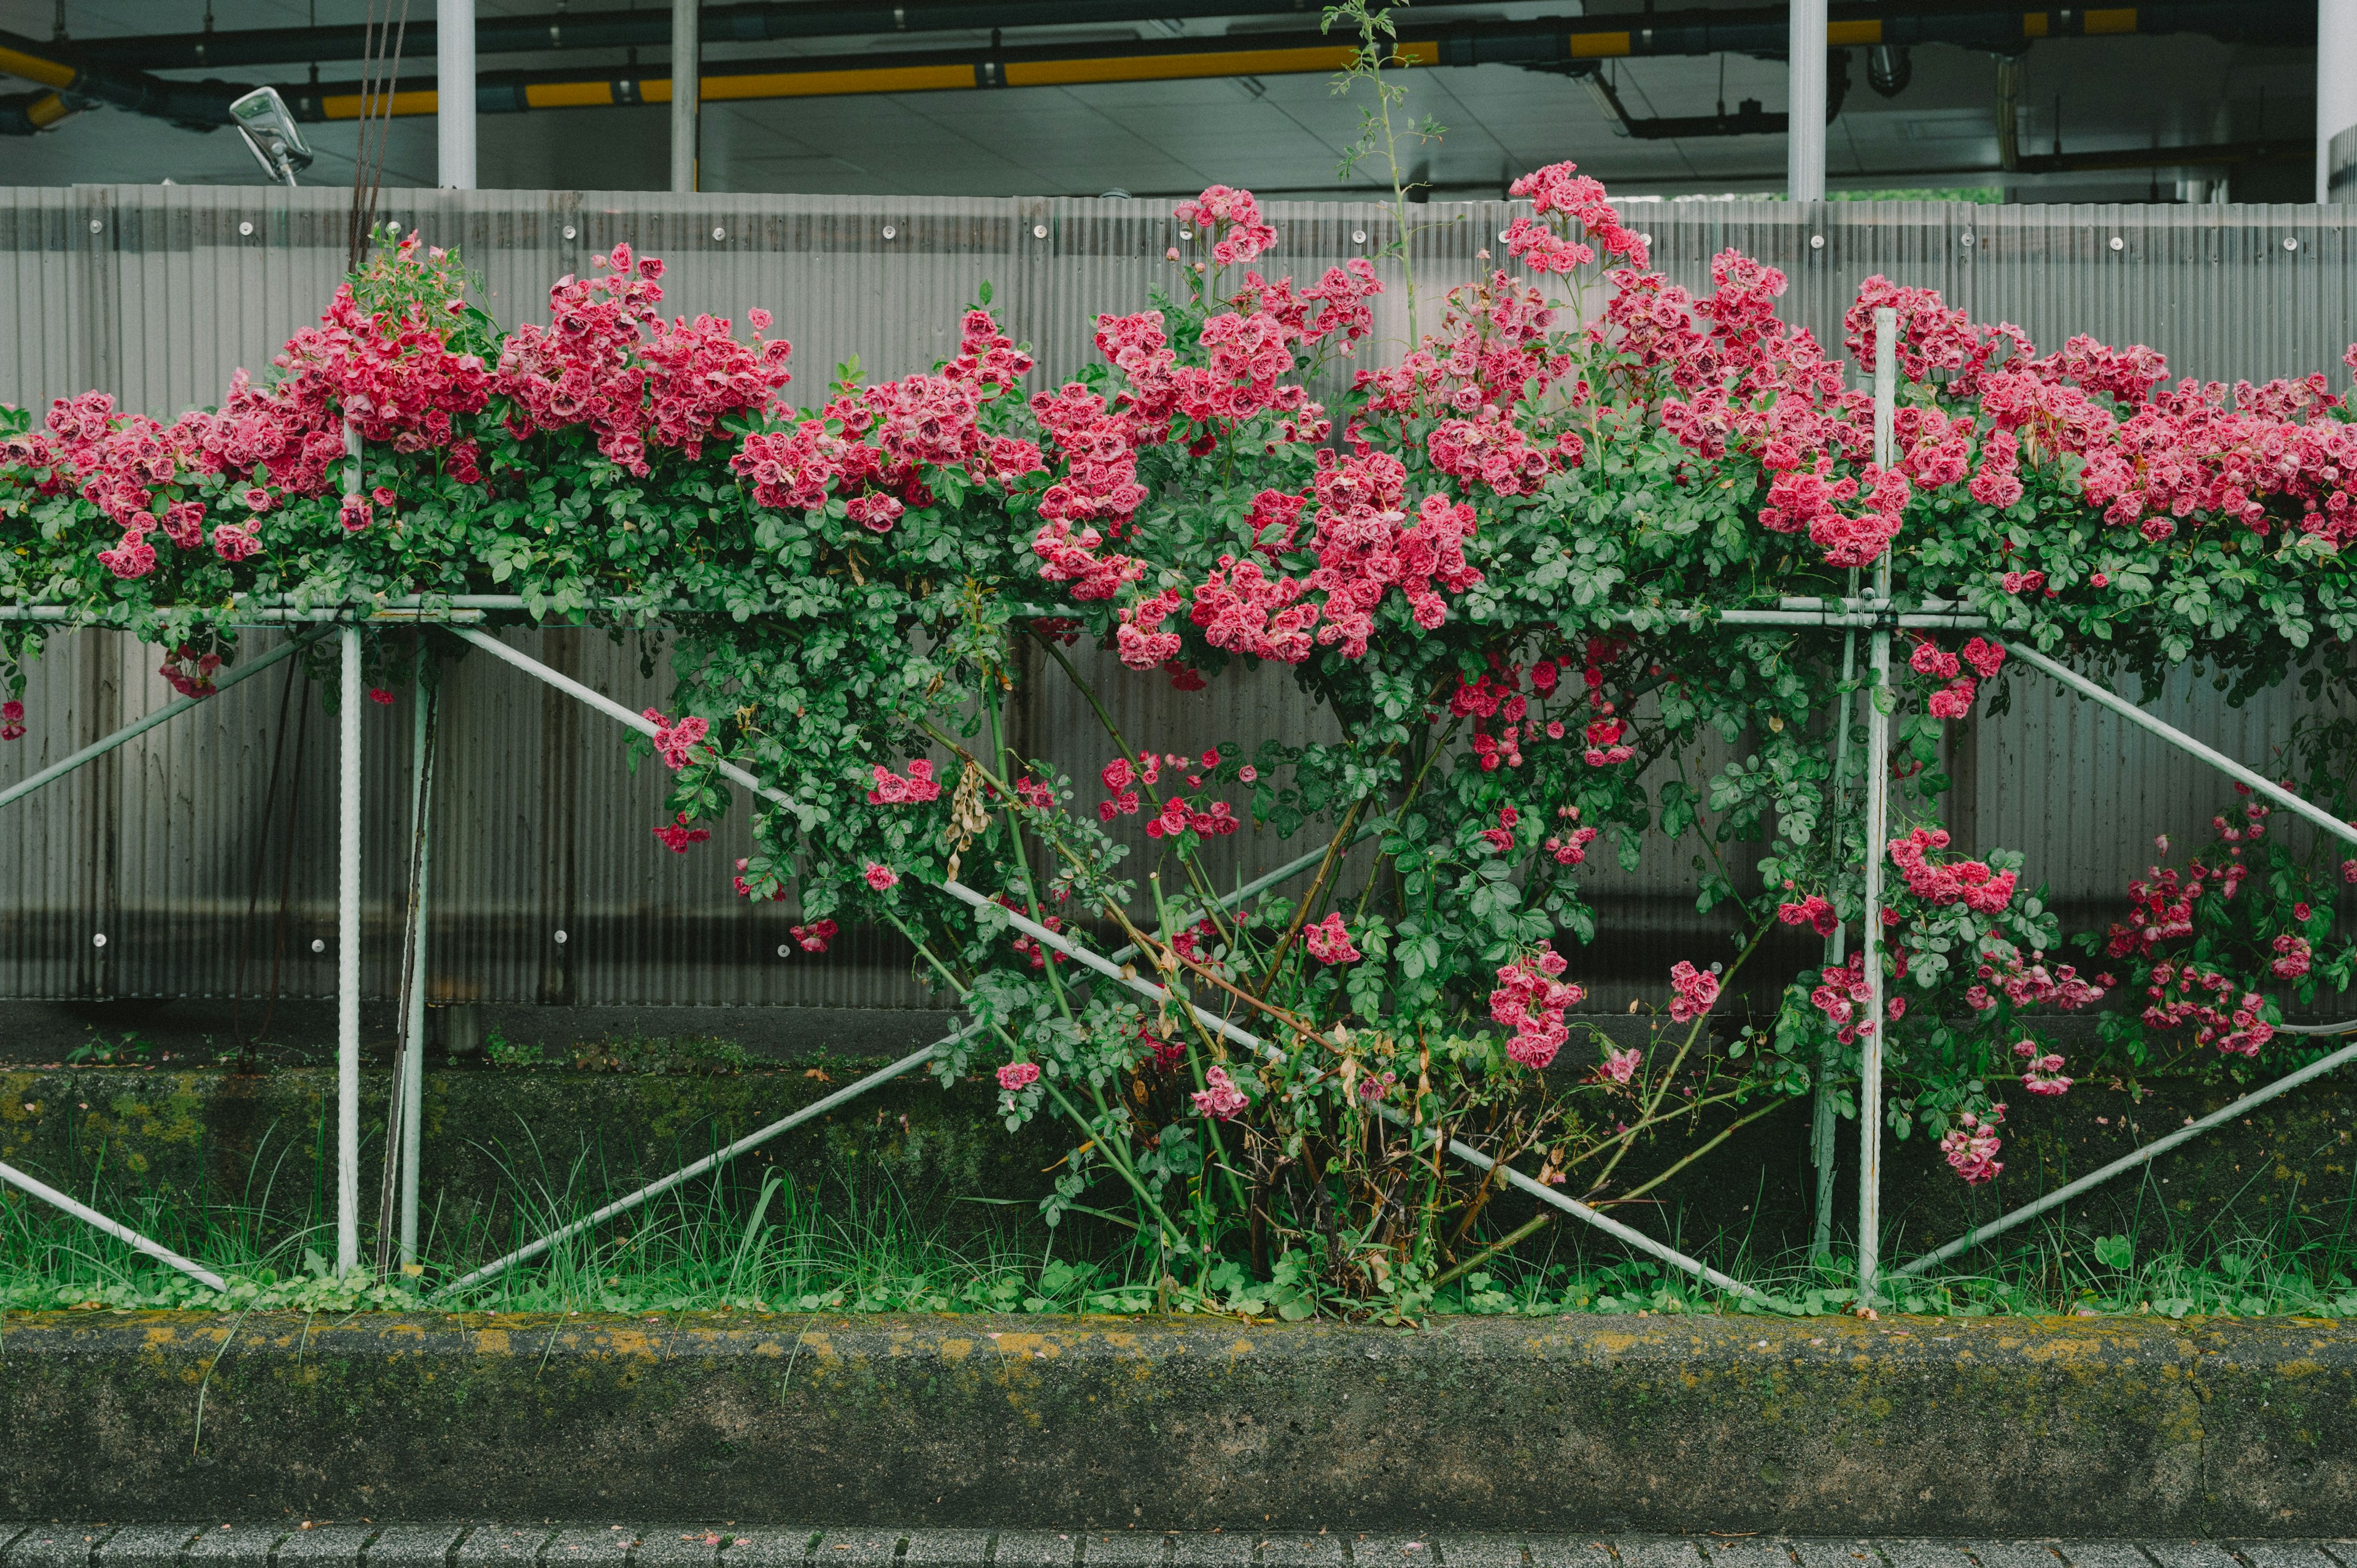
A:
x: 2257, y: 784
x: 1877, y: 806
x: 120, y: 1233
x: 348, y: 963
x: 2159, y: 1146
x: 842, y: 1096
x: 1143, y: 987
x: 137, y: 727
x: 412, y: 1087
x: 1825, y: 1126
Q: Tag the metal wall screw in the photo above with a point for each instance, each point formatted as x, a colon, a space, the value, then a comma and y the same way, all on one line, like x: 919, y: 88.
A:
x: 890, y: 232
x: 1965, y: 239
x: 720, y: 234
x: 2118, y: 244
x: 571, y: 232
x: 1816, y: 241
x: 95, y: 225
x: 560, y: 939
x: 784, y: 951
x: 1038, y: 231
x: 245, y: 228
x: 2290, y: 243
x: 318, y: 944
x: 98, y: 940
x: 1358, y: 236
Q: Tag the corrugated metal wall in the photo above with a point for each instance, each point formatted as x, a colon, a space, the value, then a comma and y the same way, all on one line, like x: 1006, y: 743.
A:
x: 204, y: 852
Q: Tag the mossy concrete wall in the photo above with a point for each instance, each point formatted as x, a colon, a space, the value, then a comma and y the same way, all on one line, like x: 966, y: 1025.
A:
x: 219, y: 1137
x: 263, y: 1140
x: 2090, y: 1427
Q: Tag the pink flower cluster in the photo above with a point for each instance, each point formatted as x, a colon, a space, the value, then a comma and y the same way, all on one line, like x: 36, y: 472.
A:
x: 1967, y: 882
x: 2041, y: 1070
x: 2188, y: 993
x: 814, y: 937
x: 1329, y: 940
x: 1016, y: 1077
x: 2030, y: 982
x: 1231, y: 220
x: 676, y: 835
x: 1955, y: 700
x: 677, y: 743
x: 1972, y: 1144
x: 1559, y: 190
x: 1812, y: 911
x: 1223, y: 1100
x: 1531, y: 999
x: 919, y: 787
x: 1693, y: 991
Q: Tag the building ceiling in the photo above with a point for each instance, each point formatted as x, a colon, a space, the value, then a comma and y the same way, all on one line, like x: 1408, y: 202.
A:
x: 2108, y: 99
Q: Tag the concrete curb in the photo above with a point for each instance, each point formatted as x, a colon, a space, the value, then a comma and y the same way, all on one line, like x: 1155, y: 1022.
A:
x: 322, y: 1544
x: 2096, y: 1427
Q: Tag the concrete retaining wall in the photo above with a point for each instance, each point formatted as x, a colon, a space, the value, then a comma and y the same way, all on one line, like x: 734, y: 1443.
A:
x: 1821, y: 1426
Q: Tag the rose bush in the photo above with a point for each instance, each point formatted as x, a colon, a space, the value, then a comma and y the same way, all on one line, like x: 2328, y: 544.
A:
x: 1496, y: 560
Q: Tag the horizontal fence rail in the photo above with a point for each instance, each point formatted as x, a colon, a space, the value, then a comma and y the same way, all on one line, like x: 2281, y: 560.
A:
x: 200, y: 850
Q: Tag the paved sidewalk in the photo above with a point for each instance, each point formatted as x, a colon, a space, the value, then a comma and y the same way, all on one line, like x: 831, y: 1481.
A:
x: 347, y: 1545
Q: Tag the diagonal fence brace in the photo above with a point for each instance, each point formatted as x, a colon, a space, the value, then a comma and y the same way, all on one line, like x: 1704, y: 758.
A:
x: 1143, y: 987
x: 33, y: 1186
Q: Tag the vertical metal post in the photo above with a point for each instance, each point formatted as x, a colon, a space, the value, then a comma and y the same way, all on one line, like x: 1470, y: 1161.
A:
x: 1822, y: 1134
x: 686, y: 82
x: 1878, y: 805
x: 347, y: 929
x: 347, y: 966
x: 1804, y: 128
x: 453, y: 100
x: 413, y: 1044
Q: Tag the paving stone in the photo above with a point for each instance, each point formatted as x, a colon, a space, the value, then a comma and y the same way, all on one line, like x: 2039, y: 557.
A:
x: 1398, y: 1551
x: 234, y: 1546
x: 323, y: 1546
x: 1756, y: 1552
x: 778, y: 1547
x: 1196, y: 1549
x: 1833, y: 1551
x: 502, y: 1546
x: 1904, y: 1552
x: 2280, y: 1555
x: 2168, y: 1553
x: 1658, y: 1551
x: 588, y: 1546
x: 671, y: 1546
x: 1298, y: 1550
x: 412, y: 1546
x: 1113, y: 1549
x: 56, y: 1546
x: 145, y: 1546
x: 1480, y: 1551
x: 8, y: 1533
x: 2113, y: 1554
x: 2013, y: 1553
x: 857, y: 1549
x: 948, y: 1549
x: 1043, y: 1549
x: 1590, y: 1552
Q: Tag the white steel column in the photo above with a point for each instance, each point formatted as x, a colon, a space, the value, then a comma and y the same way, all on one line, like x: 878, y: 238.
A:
x: 1877, y: 806
x: 686, y: 80
x: 454, y: 93
x: 2336, y: 83
x: 1804, y: 131
x: 348, y: 965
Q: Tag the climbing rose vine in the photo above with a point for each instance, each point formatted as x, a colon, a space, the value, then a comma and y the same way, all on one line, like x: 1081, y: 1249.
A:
x: 1494, y: 559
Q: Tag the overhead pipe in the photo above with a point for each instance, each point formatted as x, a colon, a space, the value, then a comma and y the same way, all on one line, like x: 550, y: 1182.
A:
x: 1544, y: 44
x: 1760, y: 30
x: 76, y: 81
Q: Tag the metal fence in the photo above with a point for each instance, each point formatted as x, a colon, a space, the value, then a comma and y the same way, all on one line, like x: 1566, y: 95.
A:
x: 201, y: 851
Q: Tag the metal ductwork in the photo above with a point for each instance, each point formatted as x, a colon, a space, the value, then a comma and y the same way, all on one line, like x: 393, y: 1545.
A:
x: 74, y: 81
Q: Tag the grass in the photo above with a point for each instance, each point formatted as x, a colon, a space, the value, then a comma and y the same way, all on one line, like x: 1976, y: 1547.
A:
x: 782, y: 1247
